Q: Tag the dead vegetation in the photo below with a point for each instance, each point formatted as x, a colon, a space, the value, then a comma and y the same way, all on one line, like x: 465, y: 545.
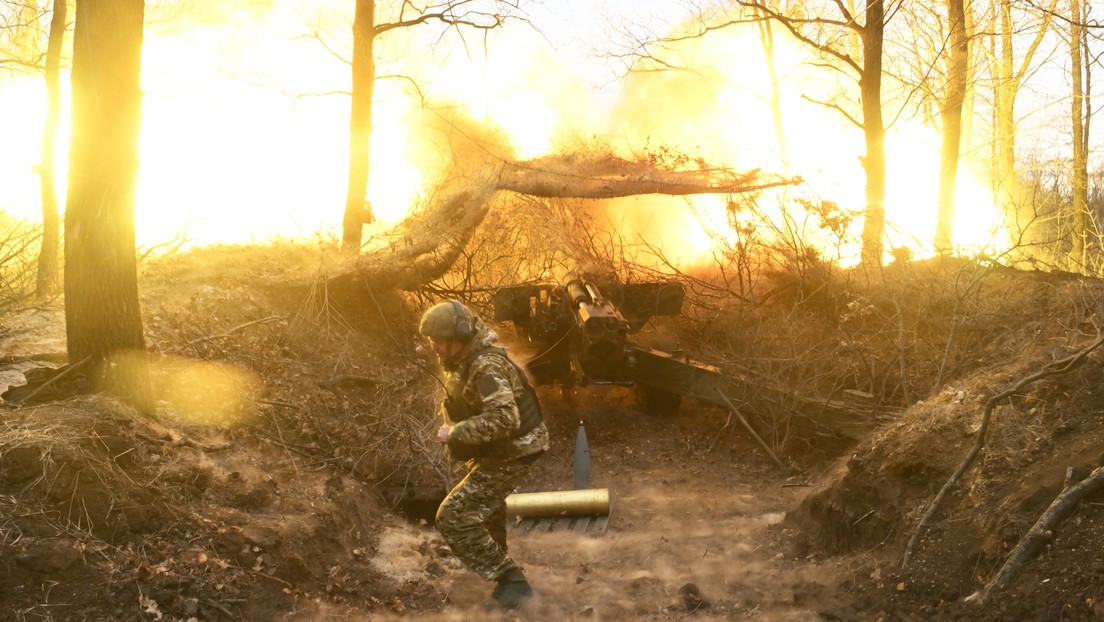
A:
x: 1063, y: 365
x: 18, y: 253
x: 427, y: 244
x: 280, y: 507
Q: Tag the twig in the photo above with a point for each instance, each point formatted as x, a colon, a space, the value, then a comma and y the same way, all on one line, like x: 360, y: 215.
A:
x: 264, y: 320
x: 184, y: 441
x: 51, y: 381
x: 861, y: 518
x: 226, y: 612
x: 362, y: 380
x: 974, y: 281
x: 272, y: 578
x: 947, y: 350
x: 902, y: 348
x: 277, y: 403
x: 751, y: 431
x: 1039, y: 533
x: 1053, y: 368
x: 53, y: 357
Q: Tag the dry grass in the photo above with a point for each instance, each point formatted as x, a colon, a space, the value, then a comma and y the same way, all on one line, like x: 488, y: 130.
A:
x: 66, y: 462
x: 19, y: 245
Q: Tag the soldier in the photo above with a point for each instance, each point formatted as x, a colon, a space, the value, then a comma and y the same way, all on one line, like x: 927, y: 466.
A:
x: 492, y: 423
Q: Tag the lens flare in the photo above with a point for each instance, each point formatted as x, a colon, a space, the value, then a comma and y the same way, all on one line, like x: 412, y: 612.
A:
x: 204, y: 393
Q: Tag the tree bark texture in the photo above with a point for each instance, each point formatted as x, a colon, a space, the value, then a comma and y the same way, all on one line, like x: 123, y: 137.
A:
x: 874, y: 162
x: 1080, y: 234
x: 357, y: 210
x: 951, y: 116
x: 46, y: 279
x: 1040, y: 533
x: 103, y: 318
x: 426, y: 244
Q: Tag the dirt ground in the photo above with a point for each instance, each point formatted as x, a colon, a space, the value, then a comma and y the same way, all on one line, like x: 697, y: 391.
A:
x: 269, y: 508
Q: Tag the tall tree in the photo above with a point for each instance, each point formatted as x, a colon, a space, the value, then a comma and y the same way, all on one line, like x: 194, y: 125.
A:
x: 1079, y: 120
x: 951, y: 116
x: 830, y: 34
x: 766, y: 39
x: 1009, y: 78
x: 974, y: 58
x: 455, y: 14
x: 844, y: 39
x: 870, y: 91
x: 358, y: 211
x: 46, y: 282
x: 103, y: 318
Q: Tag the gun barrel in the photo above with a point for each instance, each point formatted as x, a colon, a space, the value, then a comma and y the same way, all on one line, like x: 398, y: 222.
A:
x: 581, y: 327
x: 602, y: 329
x: 577, y: 292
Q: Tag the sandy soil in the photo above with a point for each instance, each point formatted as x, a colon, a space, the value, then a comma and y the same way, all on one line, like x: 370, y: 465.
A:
x: 693, y: 532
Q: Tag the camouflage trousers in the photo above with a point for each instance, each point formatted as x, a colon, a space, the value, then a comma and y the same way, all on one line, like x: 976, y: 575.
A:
x: 472, y: 518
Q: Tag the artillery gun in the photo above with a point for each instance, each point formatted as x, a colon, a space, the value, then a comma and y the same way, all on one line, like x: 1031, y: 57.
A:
x: 580, y: 329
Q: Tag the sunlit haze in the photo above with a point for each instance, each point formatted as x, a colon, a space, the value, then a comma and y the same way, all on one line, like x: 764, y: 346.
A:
x: 245, y: 131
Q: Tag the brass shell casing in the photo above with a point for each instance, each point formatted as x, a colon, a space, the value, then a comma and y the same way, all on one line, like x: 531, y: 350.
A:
x: 587, y: 502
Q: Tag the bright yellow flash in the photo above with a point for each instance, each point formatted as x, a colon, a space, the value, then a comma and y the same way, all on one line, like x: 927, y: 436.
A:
x: 244, y: 140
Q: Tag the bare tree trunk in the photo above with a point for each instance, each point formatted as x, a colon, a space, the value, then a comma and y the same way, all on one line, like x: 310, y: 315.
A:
x: 428, y: 242
x: 1005, y: 122
x: 1079, y: 234
x: 102, y: 315
x: 1008, y: 81
x: 1092, y: 228
x: 46, y: 281
x: 766, y: 38
x: 970, y: 94
x: 865, y: 40
x: 357, y: 210
x: 870, y: 86
x: 1039, y: 534
x: 951, y: 115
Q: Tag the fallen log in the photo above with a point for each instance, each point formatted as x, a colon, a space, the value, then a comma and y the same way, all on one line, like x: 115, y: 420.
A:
x: 1053, y: 368
x: 425, y: 245
x: 1040, y: 533
x: 610, y: 177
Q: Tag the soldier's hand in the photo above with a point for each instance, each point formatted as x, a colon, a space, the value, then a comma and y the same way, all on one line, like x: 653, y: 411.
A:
x: 443, y: 433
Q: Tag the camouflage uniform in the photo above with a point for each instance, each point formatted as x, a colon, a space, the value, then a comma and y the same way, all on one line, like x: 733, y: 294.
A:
x: 472, y: 518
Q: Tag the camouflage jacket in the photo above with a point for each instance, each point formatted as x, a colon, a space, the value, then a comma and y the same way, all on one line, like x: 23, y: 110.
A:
x: 488, y: 384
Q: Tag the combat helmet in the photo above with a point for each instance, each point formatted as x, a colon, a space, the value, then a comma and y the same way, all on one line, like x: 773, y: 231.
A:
x: 447, y: 320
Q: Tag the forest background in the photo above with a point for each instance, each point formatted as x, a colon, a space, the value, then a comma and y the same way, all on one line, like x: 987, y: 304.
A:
x: 846, y: 188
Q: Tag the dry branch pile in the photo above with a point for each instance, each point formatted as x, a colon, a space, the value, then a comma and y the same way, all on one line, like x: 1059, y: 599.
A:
x: 425, y: 245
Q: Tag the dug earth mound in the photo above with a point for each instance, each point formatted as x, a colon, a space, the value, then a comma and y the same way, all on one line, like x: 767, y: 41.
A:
x: 270, y: 507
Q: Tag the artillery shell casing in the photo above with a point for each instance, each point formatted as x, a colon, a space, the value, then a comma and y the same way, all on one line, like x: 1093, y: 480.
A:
x: 587, y: 502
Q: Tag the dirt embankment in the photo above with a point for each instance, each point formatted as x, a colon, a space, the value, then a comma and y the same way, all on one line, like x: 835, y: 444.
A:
x: 272, y: 512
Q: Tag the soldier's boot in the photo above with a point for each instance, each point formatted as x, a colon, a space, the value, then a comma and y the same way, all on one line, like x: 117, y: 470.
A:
x: 512, y: 590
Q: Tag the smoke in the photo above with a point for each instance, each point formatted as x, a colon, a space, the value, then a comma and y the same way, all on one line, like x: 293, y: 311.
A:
x: 245, y: 123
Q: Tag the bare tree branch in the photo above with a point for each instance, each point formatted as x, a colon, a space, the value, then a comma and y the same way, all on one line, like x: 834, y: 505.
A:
x: 1050, y: 369
x: 611, y: 177
x: 425, y: 245
x: 1039, y: 534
